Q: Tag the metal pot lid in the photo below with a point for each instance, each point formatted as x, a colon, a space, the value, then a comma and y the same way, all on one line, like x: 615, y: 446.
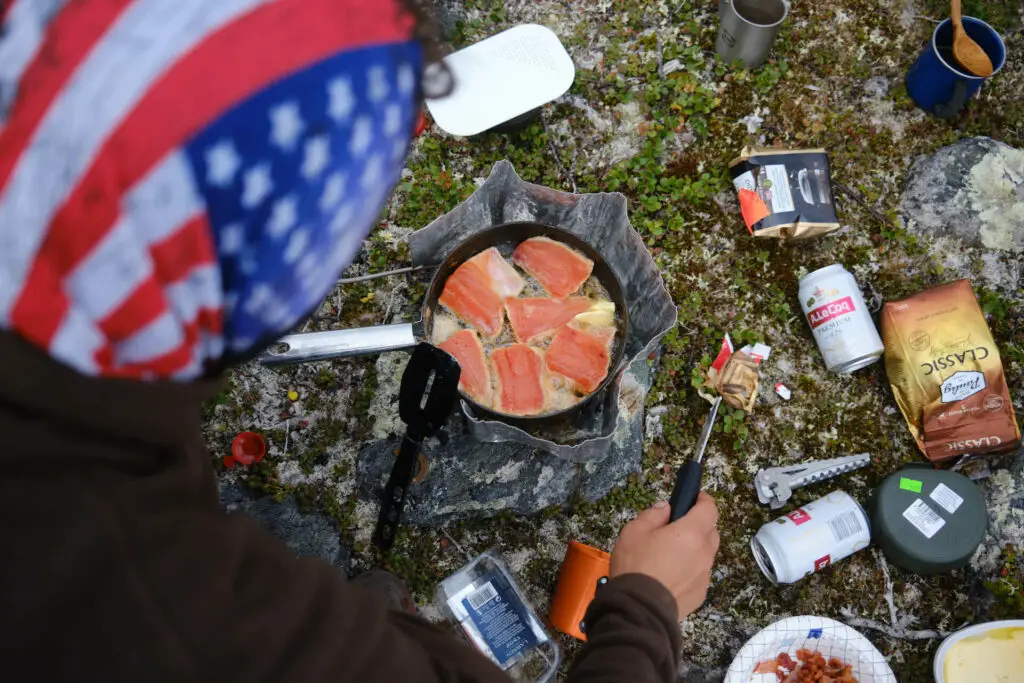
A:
x: 928, y: 521
x: 501, y: 78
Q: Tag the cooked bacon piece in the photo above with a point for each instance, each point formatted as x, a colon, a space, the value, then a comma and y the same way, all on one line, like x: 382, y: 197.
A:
x: 534, y: 318
x: 475, y: 379
x: 560, y: 269
x: 519, y: 371
x: 477, y: 290
x: 580, y: 356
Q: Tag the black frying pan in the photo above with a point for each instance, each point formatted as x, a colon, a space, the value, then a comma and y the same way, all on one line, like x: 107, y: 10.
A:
x: 343, y: 343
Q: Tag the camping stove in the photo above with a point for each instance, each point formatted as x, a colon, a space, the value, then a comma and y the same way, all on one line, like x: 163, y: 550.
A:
x: 602, y: 221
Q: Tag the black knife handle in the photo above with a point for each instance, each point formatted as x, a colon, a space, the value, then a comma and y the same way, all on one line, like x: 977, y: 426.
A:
x: 687, y: 486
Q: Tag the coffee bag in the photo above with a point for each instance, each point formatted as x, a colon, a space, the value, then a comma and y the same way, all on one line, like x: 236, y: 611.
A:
x: 785, y: 193
x: 945, y: 372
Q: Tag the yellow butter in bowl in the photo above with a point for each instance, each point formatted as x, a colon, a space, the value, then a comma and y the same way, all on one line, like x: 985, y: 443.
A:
x: 995, y: 655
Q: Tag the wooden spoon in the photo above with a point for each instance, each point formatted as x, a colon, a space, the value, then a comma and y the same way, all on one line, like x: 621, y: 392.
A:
x: 967, y: 52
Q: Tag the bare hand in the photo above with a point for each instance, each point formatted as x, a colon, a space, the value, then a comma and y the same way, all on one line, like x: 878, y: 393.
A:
x: 679, y: 555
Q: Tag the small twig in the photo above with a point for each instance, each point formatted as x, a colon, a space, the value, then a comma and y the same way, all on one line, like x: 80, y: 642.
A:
x: 898, y: 633
x: 386, y: 273
x: 456, y: 543
x: 890, y: 600
x: 859, y: 198
x: 661, y: 66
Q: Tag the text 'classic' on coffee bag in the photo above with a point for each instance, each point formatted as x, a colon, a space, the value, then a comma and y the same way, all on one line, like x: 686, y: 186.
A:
x: 945, y: 371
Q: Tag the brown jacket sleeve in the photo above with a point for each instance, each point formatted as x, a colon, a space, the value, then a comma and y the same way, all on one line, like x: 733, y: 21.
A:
x: 632, y: 634
x: 263, y: 616
x: 119, y: 565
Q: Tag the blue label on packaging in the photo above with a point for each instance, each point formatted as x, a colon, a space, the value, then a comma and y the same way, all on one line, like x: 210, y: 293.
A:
x: 501, y: 617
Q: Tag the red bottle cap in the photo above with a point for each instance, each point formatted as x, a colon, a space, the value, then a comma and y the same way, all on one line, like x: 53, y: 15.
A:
x: 248, y: 448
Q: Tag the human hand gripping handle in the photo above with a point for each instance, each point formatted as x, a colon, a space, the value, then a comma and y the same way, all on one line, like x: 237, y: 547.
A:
x: 678, y: 554
x: 688, y: 478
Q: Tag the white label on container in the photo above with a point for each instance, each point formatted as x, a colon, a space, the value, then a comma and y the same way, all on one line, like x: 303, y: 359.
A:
x: 481, y: 597
x: 782, y: 197
x: 845, y: 525
x: 924, y: 519
x: 947, y: 498
x: 744, y: 181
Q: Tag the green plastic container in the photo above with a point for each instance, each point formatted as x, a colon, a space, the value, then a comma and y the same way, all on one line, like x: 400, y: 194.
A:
x: 928, y: 521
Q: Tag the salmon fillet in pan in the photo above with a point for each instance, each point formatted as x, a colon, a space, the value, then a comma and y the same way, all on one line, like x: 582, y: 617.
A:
x: 519, y: 379
x: 477, y: 290
x: 560, y: 269
x: 475, y: 379
x: 582, y: 357
x: 534, y: 318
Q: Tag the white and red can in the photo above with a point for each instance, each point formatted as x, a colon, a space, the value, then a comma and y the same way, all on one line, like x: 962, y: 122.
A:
x: 811, y: 538
x: 839, y: 319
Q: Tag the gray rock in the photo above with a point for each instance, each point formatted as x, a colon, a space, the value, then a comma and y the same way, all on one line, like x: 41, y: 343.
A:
x: 973, y: 190
x: 467, y: 479
x: 308, y: 534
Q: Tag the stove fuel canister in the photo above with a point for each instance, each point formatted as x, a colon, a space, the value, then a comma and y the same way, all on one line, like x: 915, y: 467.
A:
x: 928, y: 521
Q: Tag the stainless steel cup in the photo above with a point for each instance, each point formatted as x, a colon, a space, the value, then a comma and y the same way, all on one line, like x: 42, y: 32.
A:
x: 747, y: 29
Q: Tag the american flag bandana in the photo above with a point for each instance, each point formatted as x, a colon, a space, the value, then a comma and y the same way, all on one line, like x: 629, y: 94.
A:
x: 182, y: 181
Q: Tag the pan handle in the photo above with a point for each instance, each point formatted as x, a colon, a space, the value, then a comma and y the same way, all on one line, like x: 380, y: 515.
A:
x: 362, y: 341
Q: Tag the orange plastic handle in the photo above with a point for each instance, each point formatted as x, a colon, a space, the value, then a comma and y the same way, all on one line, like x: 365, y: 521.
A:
x: 584, y: 568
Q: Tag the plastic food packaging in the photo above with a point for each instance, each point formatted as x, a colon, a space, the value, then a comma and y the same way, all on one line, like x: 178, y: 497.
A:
x: 785, y: 193
x: 583, y: 570
x: 494, y: 615
x: 829, y: 637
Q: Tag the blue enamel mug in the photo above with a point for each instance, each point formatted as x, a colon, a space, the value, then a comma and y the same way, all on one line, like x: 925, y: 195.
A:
x: 937, y: 82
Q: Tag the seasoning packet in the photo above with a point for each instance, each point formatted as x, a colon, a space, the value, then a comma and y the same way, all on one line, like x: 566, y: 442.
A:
x: 734, y: 374
x: 785, y: 193
x: 945, y: 371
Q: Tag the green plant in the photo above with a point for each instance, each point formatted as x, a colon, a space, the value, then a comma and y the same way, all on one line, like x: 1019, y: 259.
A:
x: 733, y: 421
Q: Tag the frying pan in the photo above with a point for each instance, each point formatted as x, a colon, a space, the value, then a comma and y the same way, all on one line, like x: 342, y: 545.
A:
x: 301, y: 348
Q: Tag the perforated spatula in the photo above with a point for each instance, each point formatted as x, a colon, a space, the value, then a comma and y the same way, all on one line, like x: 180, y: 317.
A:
x: 429, y: 390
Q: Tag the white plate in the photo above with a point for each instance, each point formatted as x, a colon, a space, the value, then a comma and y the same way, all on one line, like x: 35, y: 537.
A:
x: 938, y: 668
x: 829, y: 637
x: 503, y: 77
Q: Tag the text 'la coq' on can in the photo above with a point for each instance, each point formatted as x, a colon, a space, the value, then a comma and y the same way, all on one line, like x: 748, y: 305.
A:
x: 839, y: 319
x: 811, y: 538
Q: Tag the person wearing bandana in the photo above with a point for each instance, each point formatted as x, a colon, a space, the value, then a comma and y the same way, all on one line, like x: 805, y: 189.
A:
x: 181, y: 184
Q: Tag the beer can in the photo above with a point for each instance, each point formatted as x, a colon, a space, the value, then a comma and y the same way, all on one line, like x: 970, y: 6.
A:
x: 811, y: 538
x: 839, y: 319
